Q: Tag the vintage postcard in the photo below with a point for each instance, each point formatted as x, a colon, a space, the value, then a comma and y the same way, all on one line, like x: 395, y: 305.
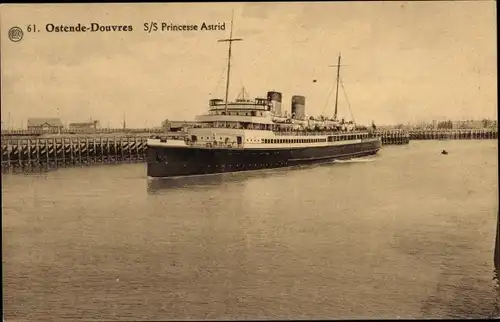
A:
x: 278, y: 160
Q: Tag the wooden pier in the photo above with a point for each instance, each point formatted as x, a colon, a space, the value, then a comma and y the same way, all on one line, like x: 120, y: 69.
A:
x: 57, y: 152
x: 393, y: 137
x: 390, y: 137
x: 458, y: 134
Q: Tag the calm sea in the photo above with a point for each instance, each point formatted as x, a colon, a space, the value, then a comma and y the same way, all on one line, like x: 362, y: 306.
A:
x: 409, y: 234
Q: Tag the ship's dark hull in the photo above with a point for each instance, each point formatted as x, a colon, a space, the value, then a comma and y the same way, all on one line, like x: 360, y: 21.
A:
x: 179, y: 161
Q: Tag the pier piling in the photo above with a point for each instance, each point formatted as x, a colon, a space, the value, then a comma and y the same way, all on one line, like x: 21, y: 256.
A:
x: 27, y: 153
x: 454, y: 134
x: 393, y: 137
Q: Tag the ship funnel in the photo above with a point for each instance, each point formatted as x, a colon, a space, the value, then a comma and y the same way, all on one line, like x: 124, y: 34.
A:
x: 275, y: 99
x: 298, y: 107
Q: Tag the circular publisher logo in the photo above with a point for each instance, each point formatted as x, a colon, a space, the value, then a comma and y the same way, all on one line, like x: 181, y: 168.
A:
x: 16, y: 34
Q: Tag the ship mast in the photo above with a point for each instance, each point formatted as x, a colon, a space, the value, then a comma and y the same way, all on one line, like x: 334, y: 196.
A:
x: 337, y: 92
x: 230, y: 40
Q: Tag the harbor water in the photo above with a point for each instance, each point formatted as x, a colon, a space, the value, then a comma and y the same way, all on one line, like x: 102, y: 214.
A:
x: 409, y: 233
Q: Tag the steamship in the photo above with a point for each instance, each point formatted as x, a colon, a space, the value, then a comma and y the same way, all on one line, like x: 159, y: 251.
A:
x: 254, y: 134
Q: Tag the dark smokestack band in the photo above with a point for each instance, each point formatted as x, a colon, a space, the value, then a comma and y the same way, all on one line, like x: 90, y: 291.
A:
x: 274, y: 96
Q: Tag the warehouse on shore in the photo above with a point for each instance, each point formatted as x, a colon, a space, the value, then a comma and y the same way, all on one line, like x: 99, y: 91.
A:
x: 45, y: 125
x: 90, y: 126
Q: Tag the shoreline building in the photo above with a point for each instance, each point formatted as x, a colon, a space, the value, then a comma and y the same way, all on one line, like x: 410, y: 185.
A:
x: 90, y: 126
x: 474, y: 124
x: 50, y: 125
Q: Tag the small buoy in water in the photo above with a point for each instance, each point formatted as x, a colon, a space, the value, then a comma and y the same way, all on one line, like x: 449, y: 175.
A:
x: 444, y: 152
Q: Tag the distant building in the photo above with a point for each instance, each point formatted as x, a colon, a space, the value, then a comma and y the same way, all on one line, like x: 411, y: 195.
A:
x: 459, y: 125
x: 44, y: 124
x: 471, y: 124
x: 488, y: 124
x: 445, y: 125
x: 84, y: 126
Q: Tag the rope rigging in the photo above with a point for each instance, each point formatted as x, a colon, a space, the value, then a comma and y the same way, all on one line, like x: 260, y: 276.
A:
x: 243, y: 93
x: 327, y: 98
x: 347, y: 99
x: 215, y: 92
x: 221, y: 78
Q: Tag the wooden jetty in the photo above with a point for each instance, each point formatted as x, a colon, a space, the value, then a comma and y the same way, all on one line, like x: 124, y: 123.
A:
x: 393, y: 137
x: 39, y: 152
x: 454, y: 134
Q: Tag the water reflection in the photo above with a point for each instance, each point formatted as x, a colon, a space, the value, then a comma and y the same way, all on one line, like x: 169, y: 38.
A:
x: 29, y: 170
x: 44, y: 167
x: 156, y: 184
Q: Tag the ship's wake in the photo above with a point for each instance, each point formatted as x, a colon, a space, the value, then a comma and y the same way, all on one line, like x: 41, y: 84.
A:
x: 356, y: 160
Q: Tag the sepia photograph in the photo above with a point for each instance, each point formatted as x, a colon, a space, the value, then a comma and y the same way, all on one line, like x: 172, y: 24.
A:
x: 249, y: 161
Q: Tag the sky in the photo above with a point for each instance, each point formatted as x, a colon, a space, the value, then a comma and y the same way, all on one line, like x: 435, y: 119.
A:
x: 404, y: 61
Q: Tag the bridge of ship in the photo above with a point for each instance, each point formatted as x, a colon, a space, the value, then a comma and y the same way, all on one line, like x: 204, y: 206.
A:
x: 257, y: 107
